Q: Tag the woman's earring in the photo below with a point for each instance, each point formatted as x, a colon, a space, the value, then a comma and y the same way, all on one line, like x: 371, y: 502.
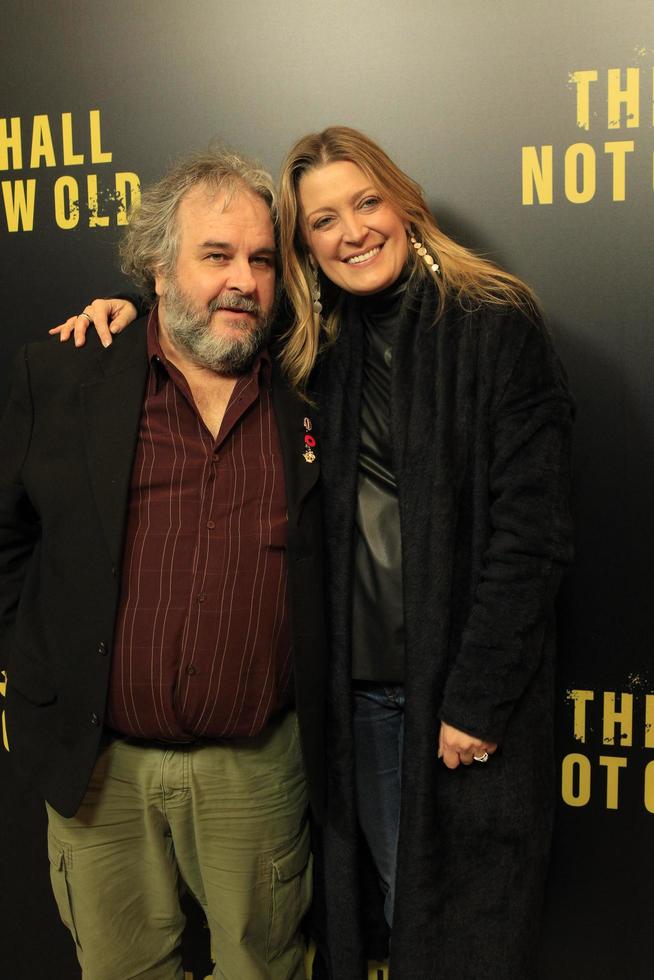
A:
x: 315, y: 291
x: 429, y: 260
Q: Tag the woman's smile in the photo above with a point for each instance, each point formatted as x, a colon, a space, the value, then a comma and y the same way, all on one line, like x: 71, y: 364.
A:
x: 365, y: 256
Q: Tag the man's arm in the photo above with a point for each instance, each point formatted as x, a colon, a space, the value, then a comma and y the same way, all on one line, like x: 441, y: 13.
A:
x: 19, y: 523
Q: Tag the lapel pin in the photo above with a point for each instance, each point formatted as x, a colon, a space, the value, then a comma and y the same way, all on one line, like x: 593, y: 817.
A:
x: 309, y: 443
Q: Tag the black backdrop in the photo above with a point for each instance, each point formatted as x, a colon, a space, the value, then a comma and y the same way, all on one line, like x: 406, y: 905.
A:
x: 531, y: 128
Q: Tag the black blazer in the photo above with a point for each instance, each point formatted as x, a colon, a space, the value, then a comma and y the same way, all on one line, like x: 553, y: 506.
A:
x: 67, y: 441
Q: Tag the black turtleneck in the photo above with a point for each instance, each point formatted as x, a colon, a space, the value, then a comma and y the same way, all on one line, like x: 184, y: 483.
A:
x: 378, y: 609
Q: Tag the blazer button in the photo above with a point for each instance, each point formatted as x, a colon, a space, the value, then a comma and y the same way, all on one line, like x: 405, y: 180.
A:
x: 94, y: 719
x: 102, y: 649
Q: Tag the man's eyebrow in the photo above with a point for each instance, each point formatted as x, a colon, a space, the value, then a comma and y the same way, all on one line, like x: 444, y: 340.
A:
x: 210, y: 243
x: 226, y: 246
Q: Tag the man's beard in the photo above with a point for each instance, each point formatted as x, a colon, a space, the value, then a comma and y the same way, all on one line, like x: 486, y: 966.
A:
x: 189, y: 330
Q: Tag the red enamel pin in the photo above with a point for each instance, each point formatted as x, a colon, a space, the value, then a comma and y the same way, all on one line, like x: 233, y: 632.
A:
x: 309, y: 442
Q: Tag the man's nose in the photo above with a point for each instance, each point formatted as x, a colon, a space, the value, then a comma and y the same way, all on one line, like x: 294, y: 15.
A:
x: 241, y: 277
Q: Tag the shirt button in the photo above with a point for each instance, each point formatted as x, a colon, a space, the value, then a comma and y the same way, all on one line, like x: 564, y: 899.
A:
x: 102, y: 649
x: 211, y: 525
x: 202, y: 596
x: 190, y: 669
x: 95, y: 719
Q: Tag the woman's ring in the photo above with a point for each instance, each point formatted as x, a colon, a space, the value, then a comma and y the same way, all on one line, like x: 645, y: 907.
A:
x: 481, y: 758
x: 84, y: 313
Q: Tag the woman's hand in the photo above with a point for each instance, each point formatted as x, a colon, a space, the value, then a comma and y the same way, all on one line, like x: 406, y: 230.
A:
x: 108, y: 316
x: 456, y: 747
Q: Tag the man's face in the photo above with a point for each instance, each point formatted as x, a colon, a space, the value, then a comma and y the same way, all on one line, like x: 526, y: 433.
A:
x: 216, y: 308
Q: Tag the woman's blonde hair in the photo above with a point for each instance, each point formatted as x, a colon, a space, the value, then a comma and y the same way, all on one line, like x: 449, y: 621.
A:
x: 466, y: 278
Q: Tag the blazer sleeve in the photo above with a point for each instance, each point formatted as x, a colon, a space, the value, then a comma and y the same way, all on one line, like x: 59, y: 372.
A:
x: 530, y: 538
x: 19, y: 523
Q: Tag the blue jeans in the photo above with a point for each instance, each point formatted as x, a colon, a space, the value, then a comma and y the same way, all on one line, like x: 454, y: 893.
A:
x: 378, y: 738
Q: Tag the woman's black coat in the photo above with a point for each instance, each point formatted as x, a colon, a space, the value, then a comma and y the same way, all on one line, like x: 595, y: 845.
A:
x: 481, y: 421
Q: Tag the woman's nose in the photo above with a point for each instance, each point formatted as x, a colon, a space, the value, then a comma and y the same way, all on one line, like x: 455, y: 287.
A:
x: 354, y: 229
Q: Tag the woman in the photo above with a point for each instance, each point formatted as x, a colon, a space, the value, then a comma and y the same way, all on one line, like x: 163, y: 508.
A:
x: 445, y: 456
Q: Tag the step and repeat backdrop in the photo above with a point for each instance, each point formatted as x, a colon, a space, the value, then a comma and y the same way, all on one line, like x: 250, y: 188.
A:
x: 531, y: 128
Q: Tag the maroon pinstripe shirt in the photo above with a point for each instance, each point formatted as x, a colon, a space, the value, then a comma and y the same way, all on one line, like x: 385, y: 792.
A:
x: 202, y: 644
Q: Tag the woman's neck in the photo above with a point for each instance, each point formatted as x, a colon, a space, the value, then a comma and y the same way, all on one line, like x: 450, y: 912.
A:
x: 387, y: 301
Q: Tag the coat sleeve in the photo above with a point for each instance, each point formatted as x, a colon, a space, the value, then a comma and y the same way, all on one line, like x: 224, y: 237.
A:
x: 138, y: 301
x: 530, y: 538
x: 19, y: 524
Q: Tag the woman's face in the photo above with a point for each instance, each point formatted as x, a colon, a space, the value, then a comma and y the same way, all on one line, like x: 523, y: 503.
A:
x: 358, y: 239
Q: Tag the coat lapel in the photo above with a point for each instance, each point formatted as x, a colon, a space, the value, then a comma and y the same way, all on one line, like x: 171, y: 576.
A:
x: 111, y: 409
x: 340, y: 382
x: 296, y: 420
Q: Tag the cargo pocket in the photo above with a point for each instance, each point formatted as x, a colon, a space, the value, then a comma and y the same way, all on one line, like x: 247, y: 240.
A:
x: 291, y: 887
x: 61, y: 859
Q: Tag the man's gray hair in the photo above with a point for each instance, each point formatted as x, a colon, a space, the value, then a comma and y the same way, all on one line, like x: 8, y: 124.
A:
x: 150, y: 244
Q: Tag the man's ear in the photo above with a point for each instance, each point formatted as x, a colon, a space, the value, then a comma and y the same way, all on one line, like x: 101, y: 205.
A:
x: 159, y: 282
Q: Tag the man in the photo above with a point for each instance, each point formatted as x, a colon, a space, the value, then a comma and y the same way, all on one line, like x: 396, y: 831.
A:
x: 161, y: 600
